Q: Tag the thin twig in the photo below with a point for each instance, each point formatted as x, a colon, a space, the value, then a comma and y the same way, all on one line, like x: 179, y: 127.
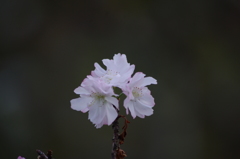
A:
x: 115, y: 140
x: 41, y: 155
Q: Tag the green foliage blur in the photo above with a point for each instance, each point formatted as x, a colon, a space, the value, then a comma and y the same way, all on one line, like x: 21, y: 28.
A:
x: 191, y: 47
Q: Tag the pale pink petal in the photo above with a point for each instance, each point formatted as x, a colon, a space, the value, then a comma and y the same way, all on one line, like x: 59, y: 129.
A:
x: 125, y: 104
x: 81, y: 90
x: 104, y: 121
x: 111, y: 113
x: 99, y: 125
x: 93, y: 73
x: 87, y: 82
x: 132, y: 110
x: 93, y: 114
x: 128, y: 92
x: 129, y: 105
x: 142, y: 110
x: 99, y: 71
x: 102, y: 114
x: 119, y: 59
x: 138, y: 76
x: 146, y: 97
x: 147, y: 100
x: 102, y: 87
x: 108, y: 63
x: 116, y: 80
x: 112, y: 100
x: 146, y: 81
x: 127, y: 74
x: 80, y: 104
x: 96, y: 112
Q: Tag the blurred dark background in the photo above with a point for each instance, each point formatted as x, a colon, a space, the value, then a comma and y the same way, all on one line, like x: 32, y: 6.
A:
x: 191, y: 47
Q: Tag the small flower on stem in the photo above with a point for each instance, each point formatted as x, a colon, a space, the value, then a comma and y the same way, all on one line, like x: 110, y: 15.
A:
x: 97, y: 98
x: 139, y: 100
x: 118, y: 71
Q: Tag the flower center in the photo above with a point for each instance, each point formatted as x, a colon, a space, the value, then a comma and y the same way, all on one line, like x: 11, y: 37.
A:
x: 110, y: 74
x: 99, y: 98
x: 137, y: 92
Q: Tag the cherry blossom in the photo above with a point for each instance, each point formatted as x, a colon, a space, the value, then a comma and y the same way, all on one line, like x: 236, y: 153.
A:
x: 118, y: 71
x: 139, y: 100
x: 96, y: 97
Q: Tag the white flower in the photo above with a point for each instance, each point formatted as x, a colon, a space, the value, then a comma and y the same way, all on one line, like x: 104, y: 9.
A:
x: 118, y: 71
x: 139, y: 100
x: 96, y: 97
x: 19, y: 157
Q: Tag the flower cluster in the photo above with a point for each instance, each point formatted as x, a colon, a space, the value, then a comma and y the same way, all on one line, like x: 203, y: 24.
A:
x: 98, y: 97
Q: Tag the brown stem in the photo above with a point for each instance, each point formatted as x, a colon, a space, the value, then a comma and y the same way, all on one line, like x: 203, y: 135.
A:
x: 115, y: 140
x: 41, y: 155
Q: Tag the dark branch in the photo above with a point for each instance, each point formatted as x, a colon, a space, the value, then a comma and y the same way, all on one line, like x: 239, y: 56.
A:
x: 41, y: 155
x: 115, y: 140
